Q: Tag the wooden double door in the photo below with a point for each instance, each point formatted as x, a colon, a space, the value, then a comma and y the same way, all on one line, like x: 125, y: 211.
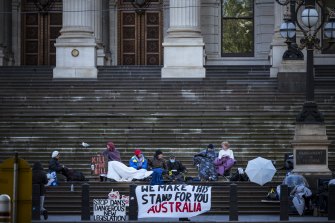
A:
x: 140, y: 33
x: 41, y: 23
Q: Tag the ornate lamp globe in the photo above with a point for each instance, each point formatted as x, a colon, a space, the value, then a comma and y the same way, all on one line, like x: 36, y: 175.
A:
x: 287, y: 29
x: 329, y: 29
x: 309, y: 17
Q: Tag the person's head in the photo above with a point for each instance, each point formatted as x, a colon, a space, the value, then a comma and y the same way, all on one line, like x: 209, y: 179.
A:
x: 55, y: 154
x: 210, y: 147
x: 172, y: 158
x: 37, y: 166
x: 111, y: 146
x: 138, y: 153
x: 225, y: 145
x: 159, y: 154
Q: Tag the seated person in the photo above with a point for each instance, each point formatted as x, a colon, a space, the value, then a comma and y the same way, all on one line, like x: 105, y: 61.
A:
x: 138, y: 161
x: 176, y: 169
x: 112, y: 154
x: 225, y: 160
x: 119, y: 172
x: 158, y: 166
x: 204, y: 160
x: 54, y: 165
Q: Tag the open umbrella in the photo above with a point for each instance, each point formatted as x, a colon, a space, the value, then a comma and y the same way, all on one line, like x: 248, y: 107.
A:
x: 260, y: 170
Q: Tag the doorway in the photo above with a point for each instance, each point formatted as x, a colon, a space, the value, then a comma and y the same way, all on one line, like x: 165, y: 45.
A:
x: 140, y: 33
x: 41, y: 23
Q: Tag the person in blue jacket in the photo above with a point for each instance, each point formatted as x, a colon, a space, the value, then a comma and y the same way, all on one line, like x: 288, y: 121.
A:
x: 138, y: 161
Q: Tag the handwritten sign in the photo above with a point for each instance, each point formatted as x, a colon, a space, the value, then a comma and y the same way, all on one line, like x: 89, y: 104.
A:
x: 109, y: 210
x: 99, y: 165
x: 179, y: 201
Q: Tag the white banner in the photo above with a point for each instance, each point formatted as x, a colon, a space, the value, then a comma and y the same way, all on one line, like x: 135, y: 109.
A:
x: 109, y: 210
x: 175, y: 201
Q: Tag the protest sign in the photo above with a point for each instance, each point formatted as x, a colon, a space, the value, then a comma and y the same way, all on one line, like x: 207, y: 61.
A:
x: 176, y: 201
x: 109, y: 210
x: 99, y: 165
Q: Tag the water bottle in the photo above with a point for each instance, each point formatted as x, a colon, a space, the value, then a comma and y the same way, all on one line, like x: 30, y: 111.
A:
x: 72, y: 188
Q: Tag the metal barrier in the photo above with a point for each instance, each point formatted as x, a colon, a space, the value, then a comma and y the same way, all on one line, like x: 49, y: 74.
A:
x: 85, y: 202
x: 284, y: 203
x: 5, y: 208
x: 331, y: 202
x: 233, y: 205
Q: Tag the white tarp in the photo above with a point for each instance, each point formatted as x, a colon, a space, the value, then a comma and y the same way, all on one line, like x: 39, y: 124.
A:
x: 173, y: 201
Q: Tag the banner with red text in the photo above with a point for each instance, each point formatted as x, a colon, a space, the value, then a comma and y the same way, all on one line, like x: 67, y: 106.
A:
x: 173, y: 201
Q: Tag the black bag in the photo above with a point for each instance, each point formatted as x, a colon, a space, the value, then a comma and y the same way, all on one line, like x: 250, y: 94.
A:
x: 73, y: 175
x: 239, y: 177
x: 272, y: 195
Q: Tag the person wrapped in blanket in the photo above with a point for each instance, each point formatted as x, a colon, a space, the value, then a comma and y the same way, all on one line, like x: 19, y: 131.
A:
x: 176, y: 170
x: 158, y: 166
x: 117, y: 171
x: 225, y: 159
x: 204, y: 160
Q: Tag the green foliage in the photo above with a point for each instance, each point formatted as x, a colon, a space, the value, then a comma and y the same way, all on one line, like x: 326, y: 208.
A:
x: 237, y: 27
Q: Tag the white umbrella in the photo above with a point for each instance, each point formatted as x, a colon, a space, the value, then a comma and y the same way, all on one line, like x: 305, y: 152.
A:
x: 260, y: 170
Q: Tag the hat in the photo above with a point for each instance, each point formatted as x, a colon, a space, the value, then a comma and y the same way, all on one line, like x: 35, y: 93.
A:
x: 110, y: 145
x: 54, y: 154
x: 158, y: 152
x: 137, y: 152
x: 210, y: 146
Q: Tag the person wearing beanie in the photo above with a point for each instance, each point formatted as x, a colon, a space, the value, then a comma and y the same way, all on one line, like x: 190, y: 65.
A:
x: 112, y: 154
x: 204, y: 161
x: 55, y: 166
x: 138, y: 161
x: 158, y: 166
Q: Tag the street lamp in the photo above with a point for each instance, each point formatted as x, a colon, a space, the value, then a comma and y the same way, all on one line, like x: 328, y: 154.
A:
x: 288, y: 31
x: 309, y: 26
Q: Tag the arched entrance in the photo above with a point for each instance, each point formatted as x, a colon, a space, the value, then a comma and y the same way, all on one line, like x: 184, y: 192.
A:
x: 140, y: 32
x: 41, y: 23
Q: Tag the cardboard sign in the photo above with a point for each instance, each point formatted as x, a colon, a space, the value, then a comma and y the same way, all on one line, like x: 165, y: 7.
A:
x: 99, y: 165
x: 175, y: 201
x: 109, y: 210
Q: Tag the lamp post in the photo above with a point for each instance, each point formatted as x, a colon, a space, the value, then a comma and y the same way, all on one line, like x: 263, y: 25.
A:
x: 309, y: 27
x: 287, y: 30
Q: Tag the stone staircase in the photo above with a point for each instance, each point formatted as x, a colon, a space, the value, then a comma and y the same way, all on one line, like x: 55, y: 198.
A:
x: 135, y: 108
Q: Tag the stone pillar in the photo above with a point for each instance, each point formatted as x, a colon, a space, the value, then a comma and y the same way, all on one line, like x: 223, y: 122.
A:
x: 278, y: 47
x: 310, y: 151
x: 2, y: 32
x: 5, y: 33
x: 97, y: 27
x: 76, y: 46
x: 184, y: 45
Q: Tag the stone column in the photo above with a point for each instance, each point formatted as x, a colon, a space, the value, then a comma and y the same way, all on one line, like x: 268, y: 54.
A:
x: 184, y: 45
x: 97, y: 27
x: 76, y: 46
x: 5, y: 33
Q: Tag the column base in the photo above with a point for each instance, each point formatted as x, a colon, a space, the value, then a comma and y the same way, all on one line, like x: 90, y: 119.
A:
x: 71, y: 72
x: 183, y: 58
x: 310, y: 149
x: 183, y: 72
x: 75, y: 58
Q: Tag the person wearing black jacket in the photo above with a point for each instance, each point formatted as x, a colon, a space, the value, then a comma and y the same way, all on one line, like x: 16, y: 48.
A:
x: 40, y: 178
x: 176, y: 169
x: 54, y: 165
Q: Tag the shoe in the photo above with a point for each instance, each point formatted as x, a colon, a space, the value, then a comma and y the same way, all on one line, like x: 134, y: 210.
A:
x: 45, y: 214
